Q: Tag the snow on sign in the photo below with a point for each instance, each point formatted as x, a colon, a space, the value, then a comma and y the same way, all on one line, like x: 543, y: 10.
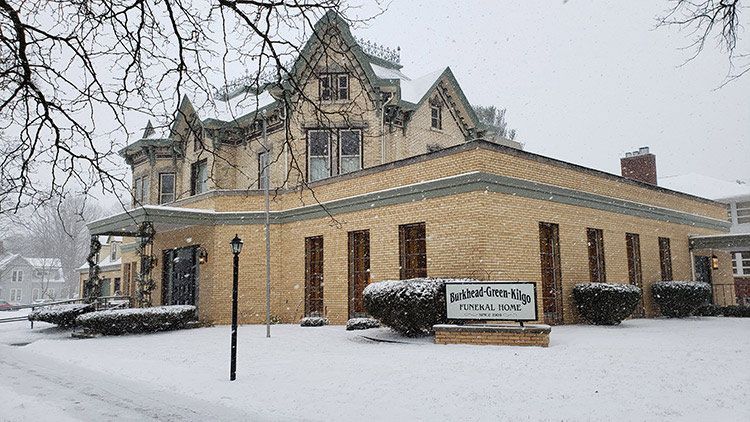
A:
x: 511, y: 301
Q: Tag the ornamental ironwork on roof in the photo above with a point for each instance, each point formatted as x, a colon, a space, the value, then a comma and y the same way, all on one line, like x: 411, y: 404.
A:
x: 392, y: 55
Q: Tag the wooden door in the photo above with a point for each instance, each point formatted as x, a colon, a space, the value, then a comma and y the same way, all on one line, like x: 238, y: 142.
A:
x: 635, y: 272
x: 359, y: 271
x: 314, y: 276
x: 549, y: 253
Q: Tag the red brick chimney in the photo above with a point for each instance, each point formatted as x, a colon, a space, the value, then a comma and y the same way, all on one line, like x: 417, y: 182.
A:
x: 639, y: 165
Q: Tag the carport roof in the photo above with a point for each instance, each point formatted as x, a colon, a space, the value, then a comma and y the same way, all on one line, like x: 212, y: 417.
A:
x: 729, y: 242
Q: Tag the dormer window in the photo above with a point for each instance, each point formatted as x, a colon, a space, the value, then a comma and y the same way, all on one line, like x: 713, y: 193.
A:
x: 437, y: 116
x: 334, y: 86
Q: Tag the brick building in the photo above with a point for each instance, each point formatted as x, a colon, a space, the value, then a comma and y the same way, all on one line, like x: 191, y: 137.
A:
x: 376, y: 176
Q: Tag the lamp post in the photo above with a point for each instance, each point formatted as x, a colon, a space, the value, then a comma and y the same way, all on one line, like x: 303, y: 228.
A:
x: 236, y: 249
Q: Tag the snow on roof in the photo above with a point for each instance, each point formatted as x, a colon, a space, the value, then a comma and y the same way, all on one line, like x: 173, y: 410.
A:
x: 105, y: 263
x: 705, y: 186
x: 44, y: 262
x: 6, y: 259
x: 240, y: 105
x: 413, y: 90
x: 388, y: 73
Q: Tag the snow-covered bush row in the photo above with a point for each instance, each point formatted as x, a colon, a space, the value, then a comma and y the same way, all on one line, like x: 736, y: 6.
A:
x: 411, y: 307
x: 137, y: 320
x: 679, y: 299
x: 738, y: 311
x: 606, y: 304
x: 313, y: 322
x: 61, y: 315
x: 362, y: 324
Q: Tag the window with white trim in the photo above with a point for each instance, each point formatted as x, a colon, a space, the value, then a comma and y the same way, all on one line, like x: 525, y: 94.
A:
x: 199, y: 177
x: 15, y: 295
x: 741, y: 264
x: 319, y: 154
x: 166, y: 188
x: 743, y: 212
x: 350, y: 150
x: 141, y: 190
x: 17, y: 276
x: 34, y: 295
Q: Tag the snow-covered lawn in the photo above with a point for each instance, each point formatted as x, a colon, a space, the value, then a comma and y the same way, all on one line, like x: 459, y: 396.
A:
x: 693, y: 369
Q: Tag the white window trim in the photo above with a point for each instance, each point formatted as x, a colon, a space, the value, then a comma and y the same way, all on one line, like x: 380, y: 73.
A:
x: 361, y: 148
x: 161, y: 184
x: 17, y: 276
x: 330, y: 156
x: 439, y: 116
x: 333, y: 86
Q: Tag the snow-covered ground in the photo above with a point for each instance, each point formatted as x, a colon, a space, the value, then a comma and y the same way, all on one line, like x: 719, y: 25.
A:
x: 694, y: 369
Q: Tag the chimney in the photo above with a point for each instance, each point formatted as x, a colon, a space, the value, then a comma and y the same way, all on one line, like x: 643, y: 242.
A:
x: 639, y: 165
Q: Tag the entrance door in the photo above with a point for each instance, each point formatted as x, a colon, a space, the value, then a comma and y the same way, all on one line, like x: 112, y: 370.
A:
x: 635, y: 272
x: 703, y: 269
x: 180, y: 279
x: 359, y: 271
x: 549, y: 252
x: 314, y: 276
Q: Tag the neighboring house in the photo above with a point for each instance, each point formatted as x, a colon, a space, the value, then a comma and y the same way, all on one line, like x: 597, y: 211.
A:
x: 110, y: 268
x: 27, y: 280
x: 397, y: 185
x: 736, y: 196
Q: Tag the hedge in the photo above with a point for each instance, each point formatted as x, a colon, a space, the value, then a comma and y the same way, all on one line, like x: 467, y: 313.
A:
x: 362, y: 324
x: 138, y: 320
x: 313, y: 322
x: 606, y: 304
x: 679, y: 299
x: 410, y: 307
x: 61, y: 315
x: 738, y: 311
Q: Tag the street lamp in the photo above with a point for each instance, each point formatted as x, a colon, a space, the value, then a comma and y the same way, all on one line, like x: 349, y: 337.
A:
x: 236, y: 249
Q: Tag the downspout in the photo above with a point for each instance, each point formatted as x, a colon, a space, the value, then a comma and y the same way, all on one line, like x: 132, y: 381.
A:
x: 382, y: 129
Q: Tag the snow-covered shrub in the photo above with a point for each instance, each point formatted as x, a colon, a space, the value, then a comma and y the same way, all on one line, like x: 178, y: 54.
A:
x: 313, y: 322
x: 679, y: 299
x: 362, y: 324
x: 411, y: 307
x: 739, y: 311
x: 709, y: 309
x: 605, y: 304
x: 138, y: 320
x: 61, y: 315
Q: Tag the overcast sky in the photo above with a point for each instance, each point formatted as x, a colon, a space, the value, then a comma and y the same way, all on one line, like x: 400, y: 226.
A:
x: 583, y: 81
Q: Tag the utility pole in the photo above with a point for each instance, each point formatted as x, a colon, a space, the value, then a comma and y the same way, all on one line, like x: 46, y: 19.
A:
x: 266, y: 188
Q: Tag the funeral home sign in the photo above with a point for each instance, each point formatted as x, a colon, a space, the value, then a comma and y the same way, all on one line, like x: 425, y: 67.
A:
x: 502, y: 301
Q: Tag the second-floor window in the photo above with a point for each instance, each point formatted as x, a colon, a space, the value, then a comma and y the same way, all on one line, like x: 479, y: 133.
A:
x: 319, y: 154
x: 141, y: 190
x: 17, y: 276
x: 166, y: 187
x: 334, y: 86
x: 350, y: 150
x: 436, y: 116
x: 199, y: 177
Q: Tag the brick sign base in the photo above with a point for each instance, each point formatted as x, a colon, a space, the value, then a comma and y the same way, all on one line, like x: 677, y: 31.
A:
x: 489, y: 334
